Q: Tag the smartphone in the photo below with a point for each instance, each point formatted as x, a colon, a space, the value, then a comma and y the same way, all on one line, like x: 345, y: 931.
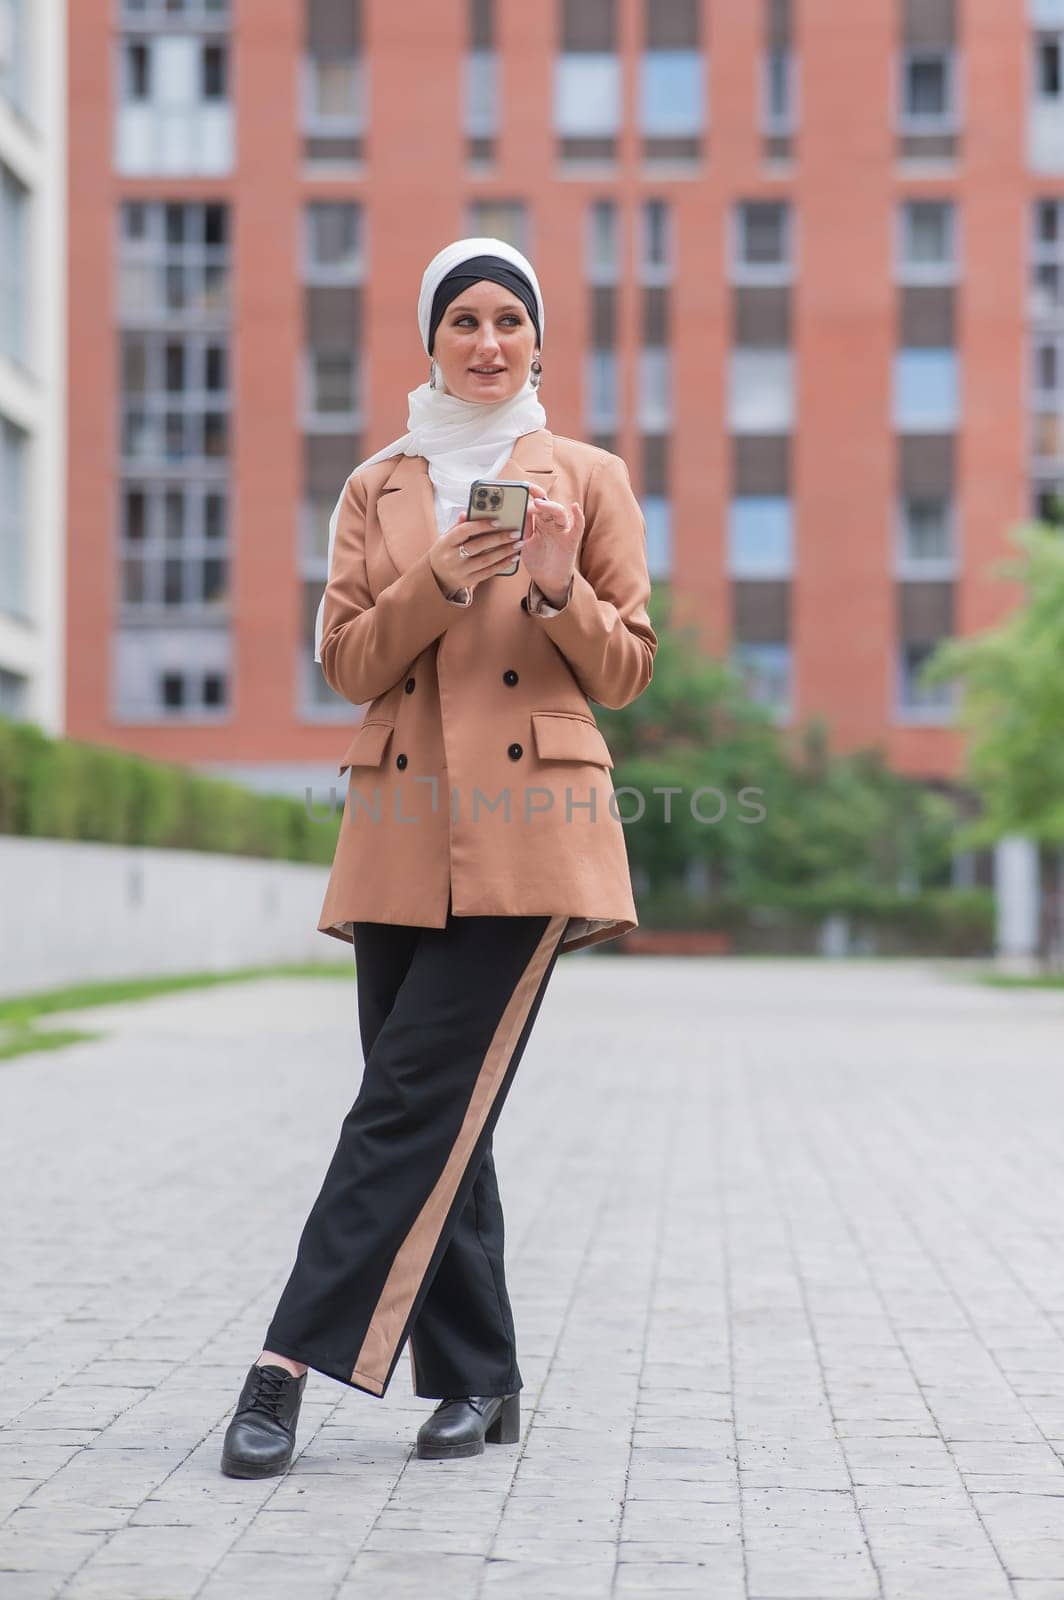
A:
x: 505, y: 498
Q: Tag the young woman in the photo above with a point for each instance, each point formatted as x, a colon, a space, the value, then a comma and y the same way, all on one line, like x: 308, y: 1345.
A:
x: 480, y: 839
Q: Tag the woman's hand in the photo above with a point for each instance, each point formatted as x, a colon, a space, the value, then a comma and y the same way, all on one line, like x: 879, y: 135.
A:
x: 552, y: 540
x: 490, y: 550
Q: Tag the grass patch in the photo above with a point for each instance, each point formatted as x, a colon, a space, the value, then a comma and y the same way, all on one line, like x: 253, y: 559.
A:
x: 20, y: 1010
x: 1002, y: 980
x: 20, y: 1041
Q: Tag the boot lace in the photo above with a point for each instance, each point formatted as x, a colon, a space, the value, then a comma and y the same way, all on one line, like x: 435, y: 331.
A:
x: 268, y: 1392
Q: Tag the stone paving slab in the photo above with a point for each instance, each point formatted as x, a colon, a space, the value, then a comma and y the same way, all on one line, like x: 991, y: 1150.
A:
x: 785, y: 1242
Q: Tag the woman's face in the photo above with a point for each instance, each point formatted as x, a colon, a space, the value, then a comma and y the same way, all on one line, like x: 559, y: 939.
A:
x: 485, y: 327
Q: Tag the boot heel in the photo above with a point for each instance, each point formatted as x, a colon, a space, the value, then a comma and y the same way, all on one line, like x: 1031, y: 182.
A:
x: 506, y: 1429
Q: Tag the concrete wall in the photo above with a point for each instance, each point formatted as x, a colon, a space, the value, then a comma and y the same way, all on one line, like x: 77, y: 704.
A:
x: 72, y: 912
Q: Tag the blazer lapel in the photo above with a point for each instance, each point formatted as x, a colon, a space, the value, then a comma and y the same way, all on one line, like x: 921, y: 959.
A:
x: 405, y: 508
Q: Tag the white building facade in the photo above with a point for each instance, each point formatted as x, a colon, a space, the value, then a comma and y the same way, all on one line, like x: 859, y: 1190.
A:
x: 32, y: 358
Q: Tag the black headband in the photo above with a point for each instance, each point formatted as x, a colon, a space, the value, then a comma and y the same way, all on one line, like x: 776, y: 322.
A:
x: 475, y: 270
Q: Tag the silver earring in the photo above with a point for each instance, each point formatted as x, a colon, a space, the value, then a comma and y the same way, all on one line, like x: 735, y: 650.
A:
x: 536, y: 374
x: 433, y: 374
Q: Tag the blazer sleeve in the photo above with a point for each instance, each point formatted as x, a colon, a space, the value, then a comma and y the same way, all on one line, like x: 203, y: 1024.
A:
x: 367, y: 645
x: 603, y: 630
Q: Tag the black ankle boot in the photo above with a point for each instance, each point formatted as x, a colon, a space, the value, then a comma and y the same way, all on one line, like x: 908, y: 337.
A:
x: 261, y: 1437
x: 461, y: 1423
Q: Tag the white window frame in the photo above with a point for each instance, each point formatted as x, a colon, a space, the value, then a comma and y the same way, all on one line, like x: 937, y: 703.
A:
x: 688, y: 128
x: 906, y: 565
x: 480, y: 116
x: 317, y: 124
x: 781, y: 709
x: 937, y: 712
x: 595, y: 271
x: 568, y: 126
x: 940, y: 423
x: 313, y: 421
x: 908, y: 271
x: 1043, y: 36
x: 739, y: 568
x: 786, y: 124
x: 601, y: 420
x: 778, y: 361
x: 914, y: 122
x: 649, y: 273
x: 765, y: 272
x: 325, y: 274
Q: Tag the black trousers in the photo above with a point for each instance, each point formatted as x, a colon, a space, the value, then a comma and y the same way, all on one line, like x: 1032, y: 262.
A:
x: 405, y: 1239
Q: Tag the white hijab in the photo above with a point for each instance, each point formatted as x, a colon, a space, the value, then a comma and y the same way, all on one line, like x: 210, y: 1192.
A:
x: 461, y: 439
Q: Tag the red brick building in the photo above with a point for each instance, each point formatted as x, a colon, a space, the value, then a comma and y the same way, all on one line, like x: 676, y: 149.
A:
x: 804, y: 270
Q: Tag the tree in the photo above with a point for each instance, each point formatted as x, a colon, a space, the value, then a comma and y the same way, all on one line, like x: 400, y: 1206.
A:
x: 1013, y: 712
x: 1013, y: 703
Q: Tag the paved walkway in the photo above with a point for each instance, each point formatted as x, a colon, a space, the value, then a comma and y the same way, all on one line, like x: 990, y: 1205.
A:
x: 786, y: 1248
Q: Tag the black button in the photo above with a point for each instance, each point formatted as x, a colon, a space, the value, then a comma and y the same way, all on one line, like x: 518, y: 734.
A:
x: 524, y: 602
x: 515, y: 752
x: 409, y: 685
x: 509, y: 676
x: 400, y: 762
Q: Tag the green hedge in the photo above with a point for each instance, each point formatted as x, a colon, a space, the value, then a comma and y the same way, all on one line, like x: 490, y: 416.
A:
x: 64, y: 789
x: 931, y: 921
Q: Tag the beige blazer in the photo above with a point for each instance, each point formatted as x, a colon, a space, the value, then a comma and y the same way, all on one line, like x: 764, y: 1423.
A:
x: 478, y: 771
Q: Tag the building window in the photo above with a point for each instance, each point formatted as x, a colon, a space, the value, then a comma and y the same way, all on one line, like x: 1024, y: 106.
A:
x: 173, y: 542
x: 1048, y: 398
x: 334, y: 270
x: 175, y: 398
x: 480, y: 85
x: 587, y: 82
x: 173, y: 264
x: 760, y: 391
x: 765, y: 669
x: 1047, y: 503
x: 171, y: 673
x: 777, y: 93
x: 332, y: 387
x: 1049, y: 60
x: 172, y: 647
x: 14, y: 223
x: 657, y: 515
x: 760, y: 537
x: 926, y: 390
x: 1047, y: 283
x: 587, y: 106
x: 671, y: 81
x: 14, y: 78
x: 603, y: 255
x: 14, y: 695
x: 146, y: 13
x: 927, y: 91
x: 927, y: 242
x: 14, y: 519
x: 762, y: 245
x: 602, y: 390
x: 671, y: 95
x: 500, y: 219
x: 333, y: 84
x: 918, y: 701
x: 655, y: 388
x: 925, y: 542
x: 655, y: 242
x: 333, y: 244
x: 174, y: 115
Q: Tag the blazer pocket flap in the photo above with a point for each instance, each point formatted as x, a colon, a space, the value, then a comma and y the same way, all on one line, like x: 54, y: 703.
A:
x: 561, y: 736
x: 368, y: 745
